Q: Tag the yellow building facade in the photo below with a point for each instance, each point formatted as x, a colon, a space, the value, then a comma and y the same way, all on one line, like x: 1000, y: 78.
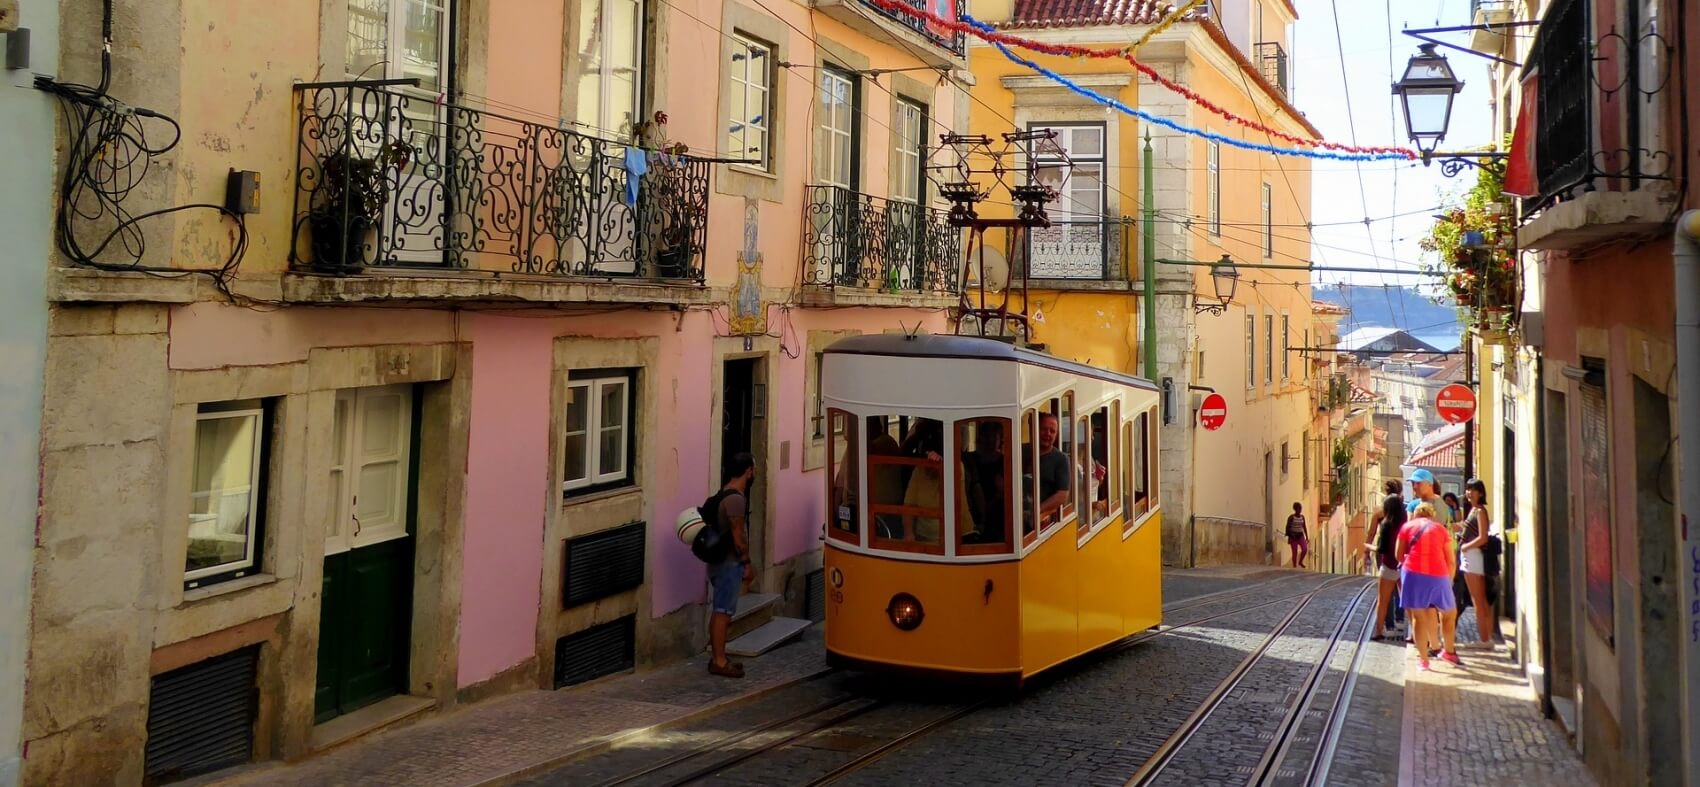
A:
x: 1227, y: 493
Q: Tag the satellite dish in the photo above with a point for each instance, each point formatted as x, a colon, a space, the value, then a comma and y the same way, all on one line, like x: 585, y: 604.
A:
x: 996, y: 267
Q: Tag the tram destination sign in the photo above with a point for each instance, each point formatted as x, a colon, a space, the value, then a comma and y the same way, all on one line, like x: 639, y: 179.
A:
x: 1456, y: 403
x: 1214, y: 412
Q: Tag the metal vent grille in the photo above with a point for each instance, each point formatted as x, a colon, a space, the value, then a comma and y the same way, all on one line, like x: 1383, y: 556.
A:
x: 596, y: 651
x: 814, y: 595
x: 602, y: 564
x: 201, y: 717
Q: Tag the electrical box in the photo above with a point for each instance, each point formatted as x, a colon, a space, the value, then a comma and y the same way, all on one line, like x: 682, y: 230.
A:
x: 242, y: 192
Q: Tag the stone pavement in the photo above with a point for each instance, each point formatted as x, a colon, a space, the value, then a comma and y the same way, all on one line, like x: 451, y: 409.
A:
x: 1480, y: 724
x: 503, y: 740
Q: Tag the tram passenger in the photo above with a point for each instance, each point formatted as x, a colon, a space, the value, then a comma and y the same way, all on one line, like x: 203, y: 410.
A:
x: 926, y: 483
x: 984, y: 471
x: 1055, y: 470
x: 885, y: 481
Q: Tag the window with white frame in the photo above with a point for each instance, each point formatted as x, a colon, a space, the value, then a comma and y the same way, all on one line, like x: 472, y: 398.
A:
x: 398, y: 39
x: 835, y: 129
x: 1213, y: 185
x: 1268, y: 348
x: 1250, y: 350
x: 749, y: 79
x: 1268, y: 222
x: 597, y: 439
x: 226, y: 509
x: 609, y: 65
x: 908, y: 134
x: 1286, y: 355
x: 1073, y: 164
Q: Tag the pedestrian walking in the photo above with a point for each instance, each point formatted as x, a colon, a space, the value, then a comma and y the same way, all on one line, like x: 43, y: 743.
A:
x: 730, y: 511
x: 1425, y: 489
x: 1472, y: 562
x: 1426, y: 568
x: 1298, y: 539
x: 1381, y: 547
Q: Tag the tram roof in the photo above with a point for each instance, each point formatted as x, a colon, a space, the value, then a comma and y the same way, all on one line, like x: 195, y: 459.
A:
x: 933, y: 345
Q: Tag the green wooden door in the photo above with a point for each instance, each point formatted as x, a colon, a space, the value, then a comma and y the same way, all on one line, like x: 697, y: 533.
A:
x: 367, y: 601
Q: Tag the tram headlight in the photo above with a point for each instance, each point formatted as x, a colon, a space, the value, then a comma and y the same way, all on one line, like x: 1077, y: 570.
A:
x: 905, y: 611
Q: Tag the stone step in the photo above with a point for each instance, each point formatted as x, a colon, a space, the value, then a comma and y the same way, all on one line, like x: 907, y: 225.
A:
x: 754, y: 611
x: 768, y: 636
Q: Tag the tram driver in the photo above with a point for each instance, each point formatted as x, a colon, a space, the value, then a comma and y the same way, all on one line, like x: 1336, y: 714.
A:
x: 1055, y: 471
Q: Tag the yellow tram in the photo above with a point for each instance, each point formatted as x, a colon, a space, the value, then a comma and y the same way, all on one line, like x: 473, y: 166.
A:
x: 949, y: 553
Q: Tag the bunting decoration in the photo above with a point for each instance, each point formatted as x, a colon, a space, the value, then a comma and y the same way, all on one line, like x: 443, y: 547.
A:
x: 990, y: 35
x: 1161, y: 26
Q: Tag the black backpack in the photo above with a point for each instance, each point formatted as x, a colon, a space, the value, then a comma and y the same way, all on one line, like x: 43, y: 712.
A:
x: 713, y: 543
x: 1491, y: 551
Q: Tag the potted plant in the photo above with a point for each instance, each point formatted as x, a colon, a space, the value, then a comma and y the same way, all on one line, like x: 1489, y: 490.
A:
x: 666, y: 178
x: 353, y: 192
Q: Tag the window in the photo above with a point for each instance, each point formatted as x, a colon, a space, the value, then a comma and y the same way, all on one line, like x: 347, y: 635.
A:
x: 597, y: 443
x: 1286, y: 460
x: 1029, y: 476
x: 1268, y: 348
x: 1268, y: 213
x: 1250, y: 350
x: 609, y: 65
x: 1213, y: 185
x: 835, y: 135
x: 983, y: 494
x: 1305, y: 449
x: 1073, y: 164
x: 1305, y: 355
x: 905, y: 466
x: 1083, y: 486
x: 1200, y: 373
x: 226, y: 493
x: 844, y: 471
x: 378, y: 48
x: 1286, y: 354
x: 1052, y: 465
x: 1140, y: 434
x: 749, y: 77
x: 1099, y: 490
x: 909, y: 135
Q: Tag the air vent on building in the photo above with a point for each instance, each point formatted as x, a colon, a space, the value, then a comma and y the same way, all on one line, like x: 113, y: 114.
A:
x: 814, y: 595
x: 596, y: 651
x: 602, y: 564
x: 201, y: 717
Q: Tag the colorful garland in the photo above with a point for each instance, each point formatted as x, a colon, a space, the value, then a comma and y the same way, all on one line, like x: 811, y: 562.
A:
x: 987, y: 33
x: 1161, y: 26
x: 1211, y: 135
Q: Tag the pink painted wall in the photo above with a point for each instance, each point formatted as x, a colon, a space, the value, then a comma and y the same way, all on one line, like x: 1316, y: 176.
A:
x: 506, y: 493
x: 524, y: 59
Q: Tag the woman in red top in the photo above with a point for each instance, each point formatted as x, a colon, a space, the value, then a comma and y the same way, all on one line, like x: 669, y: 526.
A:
x: 1427, y: 566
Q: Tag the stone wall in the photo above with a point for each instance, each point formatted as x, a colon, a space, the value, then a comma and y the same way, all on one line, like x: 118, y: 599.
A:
x: 1229, y: 542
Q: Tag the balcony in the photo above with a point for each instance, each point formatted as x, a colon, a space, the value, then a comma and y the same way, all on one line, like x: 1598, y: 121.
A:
x: 1078, y: 254
x: 877, y: 251
x: 469, y: 204
x: 1488, y: 12
x: 941, y: 47
x: 1272, y: 63
x: 1603, y: 160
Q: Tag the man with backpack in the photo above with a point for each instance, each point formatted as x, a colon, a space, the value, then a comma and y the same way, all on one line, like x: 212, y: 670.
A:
x: 724, y: 545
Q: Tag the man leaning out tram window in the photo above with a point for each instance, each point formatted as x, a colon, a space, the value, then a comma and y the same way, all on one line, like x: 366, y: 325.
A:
x: 1055, y: 470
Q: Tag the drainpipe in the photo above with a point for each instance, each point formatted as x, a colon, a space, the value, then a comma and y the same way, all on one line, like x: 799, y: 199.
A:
x: 1687, y: 265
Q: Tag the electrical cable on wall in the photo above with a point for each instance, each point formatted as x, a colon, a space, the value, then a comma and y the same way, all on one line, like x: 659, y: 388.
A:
x: 107, y: 157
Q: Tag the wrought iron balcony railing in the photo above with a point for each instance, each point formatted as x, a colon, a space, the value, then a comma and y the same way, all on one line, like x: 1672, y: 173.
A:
x: 1272, y: 64
x: 392, y: 179
x: 954, y: 42
x: 866, y: 242
x: 1078, y: 249
x: 1596, y: 121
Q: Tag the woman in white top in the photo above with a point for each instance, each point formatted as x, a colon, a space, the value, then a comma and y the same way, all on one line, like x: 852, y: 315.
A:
x: 1477, y: 528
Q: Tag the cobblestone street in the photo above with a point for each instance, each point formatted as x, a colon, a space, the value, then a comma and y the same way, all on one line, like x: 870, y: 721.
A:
x: 1234, y: 689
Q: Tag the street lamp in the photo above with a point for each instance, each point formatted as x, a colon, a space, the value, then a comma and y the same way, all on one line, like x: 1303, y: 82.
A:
x: 1426, y: 92
x: 1225, y: 278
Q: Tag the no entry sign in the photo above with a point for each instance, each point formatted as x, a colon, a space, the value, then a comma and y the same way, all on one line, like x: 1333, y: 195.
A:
x: 1214, y: 412
x: 1456, y: 403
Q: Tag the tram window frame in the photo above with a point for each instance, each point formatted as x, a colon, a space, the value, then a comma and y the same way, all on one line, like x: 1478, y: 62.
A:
x: 1153, y: 487
x: 1140, y: 472
x: 1092, y: 518
x: 1062, y: 408
x: 966, y: 431
x: 906, y: 541
x: 1128, y: 447
x: 1113, y: 451
x: 850, y: 486
x: 1029, y: 456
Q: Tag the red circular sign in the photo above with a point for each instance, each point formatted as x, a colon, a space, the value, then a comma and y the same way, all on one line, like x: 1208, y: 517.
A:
x: 1456, y: 403
x: 1214, y: 412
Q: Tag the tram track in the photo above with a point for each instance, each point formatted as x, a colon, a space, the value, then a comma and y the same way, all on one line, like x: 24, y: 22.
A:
x: 1157, y: 766
x: 821, y: 720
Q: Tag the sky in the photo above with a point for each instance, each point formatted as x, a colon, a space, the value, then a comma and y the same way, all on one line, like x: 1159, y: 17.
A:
x: 1358, y: 97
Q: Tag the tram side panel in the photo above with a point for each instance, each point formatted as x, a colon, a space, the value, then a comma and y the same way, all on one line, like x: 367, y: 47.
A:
x: 1100, y: 579
x: 1142, y: 579
x: 1050, y: 600
x: 969, y: 613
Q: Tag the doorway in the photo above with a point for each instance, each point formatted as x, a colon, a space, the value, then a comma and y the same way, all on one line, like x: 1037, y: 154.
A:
x: 1269, y: 507
x: 1560, y: 555
x: 1507, y: 516
x: 743, y: 429
x: 365, y: 617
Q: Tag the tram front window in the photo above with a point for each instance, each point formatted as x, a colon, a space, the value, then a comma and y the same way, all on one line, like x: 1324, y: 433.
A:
x: 906, y: 483
x: 844, y: 519
x: 982, y: 511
